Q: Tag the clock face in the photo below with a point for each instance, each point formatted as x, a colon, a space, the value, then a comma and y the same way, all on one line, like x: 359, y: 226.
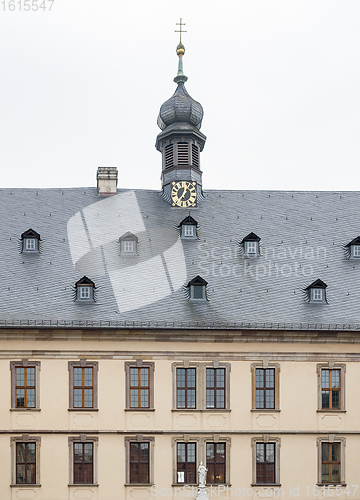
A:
x: 183, y: 194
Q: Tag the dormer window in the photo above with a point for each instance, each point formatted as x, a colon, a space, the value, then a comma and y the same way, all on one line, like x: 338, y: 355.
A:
x: 128, y: 244
x: 251, y: 245
x: 188, y: 228
x: 85, y: 290
x: 317, y: 292
x: 30, y: 241
x: 197, y: 288
x: 353, y: 248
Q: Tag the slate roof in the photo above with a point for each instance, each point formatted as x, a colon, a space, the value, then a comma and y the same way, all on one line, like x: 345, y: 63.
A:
x: 303, y: 238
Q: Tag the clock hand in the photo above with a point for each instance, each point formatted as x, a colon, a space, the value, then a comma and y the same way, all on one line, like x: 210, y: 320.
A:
x: 184, y: 193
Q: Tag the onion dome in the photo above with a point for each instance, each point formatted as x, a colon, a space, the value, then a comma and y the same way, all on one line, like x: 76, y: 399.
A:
x: 181, y: 107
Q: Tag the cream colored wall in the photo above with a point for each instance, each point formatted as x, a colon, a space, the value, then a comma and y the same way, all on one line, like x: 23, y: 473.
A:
x: 298, y: 404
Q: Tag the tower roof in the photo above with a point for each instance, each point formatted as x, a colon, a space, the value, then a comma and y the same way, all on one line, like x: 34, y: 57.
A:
x: 181, y: 107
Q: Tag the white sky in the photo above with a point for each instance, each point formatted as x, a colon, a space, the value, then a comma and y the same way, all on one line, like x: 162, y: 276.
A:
x: 279, y: 80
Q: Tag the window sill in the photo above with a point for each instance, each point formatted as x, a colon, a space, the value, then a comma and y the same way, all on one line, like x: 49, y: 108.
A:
x: 330, y: 411
x: 266, y: 485
x: 205, y: 410
x: 265, y: 410
x: 83, y: 409
x: 139, y: 409
x: 85, y: 485
x: 25, y: 485
x: 25, y: 409
x: 139, y: 484
x: 331, y: 484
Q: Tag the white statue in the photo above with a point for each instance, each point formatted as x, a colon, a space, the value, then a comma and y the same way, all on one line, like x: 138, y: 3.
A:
x: 202, y: 470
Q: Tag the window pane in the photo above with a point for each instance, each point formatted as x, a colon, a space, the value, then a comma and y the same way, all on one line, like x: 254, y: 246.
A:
x: 325, y: 473
x: 270, y: 402
x: 144, y: 398
x: 20, y: 452
x: 325, y: 452
x: 210, y: 398
x: 77, y: 398
x: 335, y: 452
x: 88, y: 376
x: 260, y: 452
x: 335, y: 475
x: 270, y: 452
x: 191, y: 398
x: 31, y: 398
x: 20, y: 376
x: 88, y: 452
x: 198, y: 291
x: 30, y: 474
x: 181, y: 457
x: 335, y: 399
x: 325, y: 399
x: 325, y: 378
x: 78, y: 452
x: 270, y: 377
x: 78, y: 376
x: 144, y: 377
x: 88, y: 398
x: 134, y: 398
x: 220, y: 377
x: 31, y: 452
x: 180, y: 400
x: 210, y: 377
x: 259, y: 377
x: 180, y: 376
x: 20, y: 474
x: 220, y: 398
x: 191, y: 452
x: 191, y: 377
x: 20, y: 398
x: 260, y: 398
x: 134, y: 374
x: 210, y: 451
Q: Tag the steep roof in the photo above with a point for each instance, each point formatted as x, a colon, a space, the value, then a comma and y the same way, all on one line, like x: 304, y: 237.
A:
x: 303, y: 238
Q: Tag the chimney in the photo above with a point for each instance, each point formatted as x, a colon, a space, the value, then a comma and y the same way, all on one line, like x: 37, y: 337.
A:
x: 107, y: 178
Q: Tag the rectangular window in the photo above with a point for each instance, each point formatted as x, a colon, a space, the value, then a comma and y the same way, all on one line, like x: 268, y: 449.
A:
x: 25, y: 463
x: 25, y: 387
x: 25, y: 376
x: 85, y: 292
x: 216, y: 463
x: 186, y: 463
x: 139, y: 391
x: 251, y: 247
x: 83, y: 387
x: 317, y: 294
x: 83, y: 384
x: 140, y: 462
x: 186, y: 387
x: 30, y: 244
x: 265, y: 388
x: 188, y: 230
x: 215, y: 387
x: 128, y: 246
x: 330, y: 389
x: 265, y: 463
x: 355, y: 250
x: 330, y: 463
x: 83, y: 463
x: 139, y: 387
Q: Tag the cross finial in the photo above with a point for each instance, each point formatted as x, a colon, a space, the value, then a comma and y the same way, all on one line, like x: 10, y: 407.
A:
x: 181, y: 24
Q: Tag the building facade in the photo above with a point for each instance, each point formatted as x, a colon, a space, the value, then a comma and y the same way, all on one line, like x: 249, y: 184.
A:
x: 143, y: 332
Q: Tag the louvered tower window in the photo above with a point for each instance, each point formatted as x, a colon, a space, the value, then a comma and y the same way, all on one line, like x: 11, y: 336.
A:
x: 183, y: 153
x: 169, y: 156
x: 195, y: 156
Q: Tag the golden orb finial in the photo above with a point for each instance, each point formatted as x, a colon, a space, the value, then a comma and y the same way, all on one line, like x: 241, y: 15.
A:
x: 180, y: 50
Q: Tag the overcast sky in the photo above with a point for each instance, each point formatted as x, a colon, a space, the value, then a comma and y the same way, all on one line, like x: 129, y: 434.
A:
x: 279, y: 80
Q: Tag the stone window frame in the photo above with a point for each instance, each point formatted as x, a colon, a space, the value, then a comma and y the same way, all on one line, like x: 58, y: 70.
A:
x: 215, y: 364
x: 201, y: 384
x: 83, y: 363
x: 331, y: 366
x: 331, y: 438
x: 83, y: 438
x: 139, y: 438
x: 264, y: 364
x: 139, y: 363
x: 200, y: 453
x: 186, y: 438
x: 266, y: 438
x: 217, y: 438
x: 25, y: 438
x: 198, y: 387
x: 25, y: 363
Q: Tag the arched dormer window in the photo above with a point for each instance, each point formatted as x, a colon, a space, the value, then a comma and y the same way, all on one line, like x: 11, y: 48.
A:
x: 30, y: 241
x: 85, y: 289
x: 317, y: 292
x: 188, y: 228
x: 197, y: 288
x: 251, y: 245
x: 128, y: 244
x: 353, y: 248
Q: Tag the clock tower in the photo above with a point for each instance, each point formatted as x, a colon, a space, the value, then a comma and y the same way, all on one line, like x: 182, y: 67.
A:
x: 180, y: 143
